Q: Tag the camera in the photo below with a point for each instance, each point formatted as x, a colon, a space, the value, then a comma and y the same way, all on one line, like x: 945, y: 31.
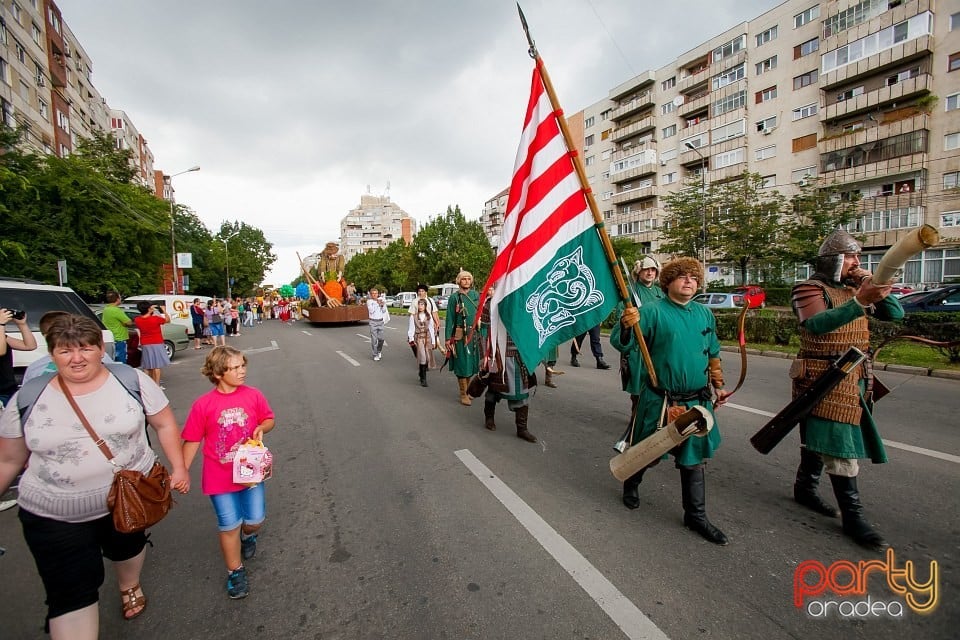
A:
x: 18, y: 314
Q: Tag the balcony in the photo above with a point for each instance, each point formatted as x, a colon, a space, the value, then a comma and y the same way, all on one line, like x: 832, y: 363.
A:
x: 694, y: 83
x: 726, y: 174
x: 873, y: 134
x: 632, y: 150
x: 728, y: 63
x: 632, y: 195
x: 643, y: 101
x: 634, y: 172
x: 876, y: 99
x: 871, y: 170
x: 691, y: 158
x: 694, y: 104
x: 634, y: 128
x: 630, y: 86
x: 886, y: 203
x: 877, y: 63
x: 896, y: 15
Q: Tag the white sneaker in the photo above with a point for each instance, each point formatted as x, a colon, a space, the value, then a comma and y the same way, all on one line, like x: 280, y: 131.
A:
x: 7, y: 504
x: 376, y: 358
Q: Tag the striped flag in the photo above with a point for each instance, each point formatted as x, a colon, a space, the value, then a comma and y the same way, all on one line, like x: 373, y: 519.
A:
x: 551, y: 275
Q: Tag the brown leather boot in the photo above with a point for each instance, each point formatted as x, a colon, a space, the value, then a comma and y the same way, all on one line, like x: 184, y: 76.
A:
x: 464, y: 398
x: 521, y: 417
x: 489, y: 409
x: 548, y: 379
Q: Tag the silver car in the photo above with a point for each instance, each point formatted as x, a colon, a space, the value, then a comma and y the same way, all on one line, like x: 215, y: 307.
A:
x: 720, y: 300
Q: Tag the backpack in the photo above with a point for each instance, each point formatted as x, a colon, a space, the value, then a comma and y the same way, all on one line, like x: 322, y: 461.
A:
x: 31, y: 389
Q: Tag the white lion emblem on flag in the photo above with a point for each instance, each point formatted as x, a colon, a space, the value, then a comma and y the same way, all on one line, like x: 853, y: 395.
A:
x: 569, y: 291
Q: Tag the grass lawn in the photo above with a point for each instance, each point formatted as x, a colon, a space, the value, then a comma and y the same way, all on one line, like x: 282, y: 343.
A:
x: 902, y: 352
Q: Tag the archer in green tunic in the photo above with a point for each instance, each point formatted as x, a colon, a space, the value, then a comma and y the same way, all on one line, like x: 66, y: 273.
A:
x: 682, y: 340
x: 644, y: 284
x: 832, y: 307
x: 465, y: 348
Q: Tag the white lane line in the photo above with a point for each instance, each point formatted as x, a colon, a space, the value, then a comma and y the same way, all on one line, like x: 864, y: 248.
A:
x: 306, y: 332
x: 890, y: 443
x: 367, y: 338
x: 348, y: 358
x: 273, y: 347
x: 634, y: 624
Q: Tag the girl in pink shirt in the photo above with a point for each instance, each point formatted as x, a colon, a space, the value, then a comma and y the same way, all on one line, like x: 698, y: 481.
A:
x: 222, y: 420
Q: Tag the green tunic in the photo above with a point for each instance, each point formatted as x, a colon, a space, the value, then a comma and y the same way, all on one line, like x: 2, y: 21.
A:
x: 841, y: 439
x: 681, y: 340
x: 461, y: 312
x: 636, y: 370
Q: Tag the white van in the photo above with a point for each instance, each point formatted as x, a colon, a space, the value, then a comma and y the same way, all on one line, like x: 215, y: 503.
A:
x: 177, y: 306
x: 36, y: 299
x: 404, y: 299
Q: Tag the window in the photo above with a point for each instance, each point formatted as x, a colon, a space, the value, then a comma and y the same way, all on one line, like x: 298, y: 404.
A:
x: 806, y: 48
x: 669, y: 83
x: 588, y: 140
x: 605, y: 155
x: 767, y: 94
x: 955, y: 21
x: 605, y: 134
x: 953, y: 101
x: 951, y: 180
x: 728, y: 77
x: 803, y: 175
x: 849, y: 93
x: 767, y: 65
x: 767, y: 124
x: 606, y: 195
x: 669, y: 107
x: 804, y: 142
x: 728, y: 159
x: 696, y: 141
x: 805, y: 80
x: 21, y: 53
x: 877, y: 151
x: 669, y: 132
x: 953, y: 62
x: 730, y: 103
x: 911, y: 29
x: 669, y: 154
x: 807, y: 16
x: 4, y: 71
x: 590, y: 161
x: 951, y: 141
x: 769, y: 181
x: 903, y: 75
x: 3, y: 31
x: 766, y: 152
x: 767, y: 36
x: 15, y: 10
x: 7, y: 110
x: 853, y: 16
x: 36, y: 33
x: 54, y: 20
x: 670, y: 178
x: 25, y: 91
x: 588, y: 122
x: 727, y: 49
x: 729, y: 131
x: 950, y: 219
x: 43, y: 109
x: 805, y: 111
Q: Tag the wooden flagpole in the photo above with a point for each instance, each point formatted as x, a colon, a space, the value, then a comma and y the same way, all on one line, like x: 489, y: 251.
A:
x: 585, y: 185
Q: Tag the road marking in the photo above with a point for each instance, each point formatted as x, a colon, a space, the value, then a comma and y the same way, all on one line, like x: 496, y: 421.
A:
x: 367, y: 338
x: 889, y: 443
x: 632, y: 622
x: 274, y: 346
x: 306, y: 332
x: 348, y: 358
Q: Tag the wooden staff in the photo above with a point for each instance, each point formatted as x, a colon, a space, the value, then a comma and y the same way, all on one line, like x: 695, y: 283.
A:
x: 313, y: 290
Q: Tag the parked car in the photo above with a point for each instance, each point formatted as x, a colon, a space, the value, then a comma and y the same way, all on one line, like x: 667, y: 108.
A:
x: 404, y: 299
x: 944, y: 299
x: 899, y: 290
x: 720, y: 300
x: 175, y: 337
x: 755, y: 296
x: 36, y: 299
x: 390, y: 301
x: 441, y: 302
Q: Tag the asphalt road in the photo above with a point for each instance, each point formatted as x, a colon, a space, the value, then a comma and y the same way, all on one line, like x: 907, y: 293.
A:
x: 394, y: 514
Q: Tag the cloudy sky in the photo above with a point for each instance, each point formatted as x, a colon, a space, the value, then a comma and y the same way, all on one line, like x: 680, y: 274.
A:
x: 294, y: 108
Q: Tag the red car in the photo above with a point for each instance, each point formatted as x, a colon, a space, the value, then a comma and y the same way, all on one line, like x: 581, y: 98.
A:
x: 755, y: 296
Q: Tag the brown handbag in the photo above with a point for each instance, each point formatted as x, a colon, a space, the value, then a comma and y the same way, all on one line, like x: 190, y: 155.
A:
x: 136, y: 500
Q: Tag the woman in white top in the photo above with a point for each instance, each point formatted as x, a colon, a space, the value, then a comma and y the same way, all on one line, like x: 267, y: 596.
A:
x: 422, y: 338
x: 63, y: 492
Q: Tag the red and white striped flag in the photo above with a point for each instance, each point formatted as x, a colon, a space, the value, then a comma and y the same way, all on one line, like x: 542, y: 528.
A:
x: 552, y: 278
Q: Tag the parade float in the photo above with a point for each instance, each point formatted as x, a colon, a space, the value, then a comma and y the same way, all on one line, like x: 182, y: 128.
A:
x: 327, y: 303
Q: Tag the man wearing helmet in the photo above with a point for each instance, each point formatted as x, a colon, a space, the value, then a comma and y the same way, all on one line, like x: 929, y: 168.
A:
x: 832, y: 308
x: 645, y: 273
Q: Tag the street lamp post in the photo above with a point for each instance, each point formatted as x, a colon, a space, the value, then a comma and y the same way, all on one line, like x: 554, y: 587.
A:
x: 703, y: 210
x: 173, y: 244
x: 226, y: 250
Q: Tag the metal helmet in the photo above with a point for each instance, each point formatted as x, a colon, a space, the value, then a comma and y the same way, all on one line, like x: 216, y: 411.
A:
x: 838, y: 243
x: 648, y: 262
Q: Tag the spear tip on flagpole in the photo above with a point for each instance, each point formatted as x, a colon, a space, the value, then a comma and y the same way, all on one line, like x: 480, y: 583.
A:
x: 533, y: 47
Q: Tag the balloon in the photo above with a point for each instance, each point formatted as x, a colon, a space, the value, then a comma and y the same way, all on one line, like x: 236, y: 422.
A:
x: 303, y: 291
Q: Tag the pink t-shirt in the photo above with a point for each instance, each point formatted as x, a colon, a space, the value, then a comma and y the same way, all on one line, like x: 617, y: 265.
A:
x: 223, y: 421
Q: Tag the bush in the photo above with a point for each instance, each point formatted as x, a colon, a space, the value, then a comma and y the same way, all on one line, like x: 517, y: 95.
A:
x: 938, y: 326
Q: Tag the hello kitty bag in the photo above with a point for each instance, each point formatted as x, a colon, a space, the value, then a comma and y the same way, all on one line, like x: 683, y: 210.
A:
x: 253, y: 463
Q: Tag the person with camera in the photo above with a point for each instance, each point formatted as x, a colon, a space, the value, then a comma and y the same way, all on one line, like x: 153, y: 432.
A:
x: 153, y: 355
x: 9, y: 344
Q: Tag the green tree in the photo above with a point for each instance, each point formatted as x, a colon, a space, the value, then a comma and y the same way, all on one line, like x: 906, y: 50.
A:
x: 251, y: 256
x: 685, y: 219
x: 447, y: 244
x: 810, y: 216
x: 745, y: 228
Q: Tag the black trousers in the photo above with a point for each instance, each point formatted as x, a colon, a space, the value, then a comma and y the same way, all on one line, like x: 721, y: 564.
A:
x: 595, y: 345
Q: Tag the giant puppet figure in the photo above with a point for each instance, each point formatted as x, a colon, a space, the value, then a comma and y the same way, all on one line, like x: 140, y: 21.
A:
x: 832, y: 308
x: 331, y: 261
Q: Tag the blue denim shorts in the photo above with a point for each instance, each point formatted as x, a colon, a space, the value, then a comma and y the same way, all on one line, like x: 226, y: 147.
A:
x: 216, y: 328
x: 248, y: 506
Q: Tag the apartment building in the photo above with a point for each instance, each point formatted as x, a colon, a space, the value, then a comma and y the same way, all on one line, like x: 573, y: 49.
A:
x: 46, y: 87
x: 862, y: 93
x: 376, y: 223
x: 491, y: 219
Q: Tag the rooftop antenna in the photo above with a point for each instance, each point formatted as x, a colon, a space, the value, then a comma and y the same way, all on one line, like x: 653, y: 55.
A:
x: 386, y: 193
x: 368, y: 189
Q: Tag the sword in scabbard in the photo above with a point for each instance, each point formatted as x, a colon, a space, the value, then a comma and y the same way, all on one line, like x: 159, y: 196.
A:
x: 624, y: 442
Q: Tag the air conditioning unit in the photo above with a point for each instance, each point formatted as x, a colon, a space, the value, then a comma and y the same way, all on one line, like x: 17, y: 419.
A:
x: 41, y: 81
x: 767, y: 132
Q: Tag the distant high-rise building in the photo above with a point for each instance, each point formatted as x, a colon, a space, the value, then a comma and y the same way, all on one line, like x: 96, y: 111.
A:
x: 376, y: 223
x: 491, y: 219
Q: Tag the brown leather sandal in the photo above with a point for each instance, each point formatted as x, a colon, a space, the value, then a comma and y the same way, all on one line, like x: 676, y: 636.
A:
x: 129, y: 600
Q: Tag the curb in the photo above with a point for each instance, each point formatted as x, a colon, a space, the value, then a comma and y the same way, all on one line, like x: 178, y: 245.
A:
x: 944, y: 374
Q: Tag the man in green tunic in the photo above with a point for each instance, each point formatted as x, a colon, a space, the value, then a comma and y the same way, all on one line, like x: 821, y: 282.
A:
x: 681, y: 336
x: 832, y: 307
x: 644, y: 284
x: 464, y: 347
